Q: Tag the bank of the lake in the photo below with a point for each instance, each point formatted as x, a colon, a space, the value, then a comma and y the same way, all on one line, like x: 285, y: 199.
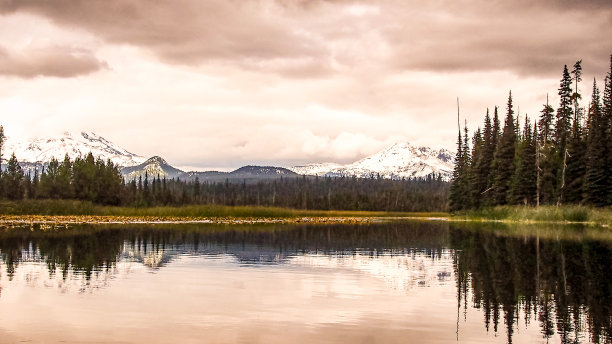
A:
x: 70, y: 212
x: 542, y: 214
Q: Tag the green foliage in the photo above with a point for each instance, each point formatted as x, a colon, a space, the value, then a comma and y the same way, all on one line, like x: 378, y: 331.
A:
x: 524, y: 181
x: 561, y: 161
x: 503, y: 162
x: 566, y: 213
x: 13, y: 180
x: 596, y: 190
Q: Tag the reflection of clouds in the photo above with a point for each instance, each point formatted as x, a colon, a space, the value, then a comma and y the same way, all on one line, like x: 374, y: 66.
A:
x: 401, y: 270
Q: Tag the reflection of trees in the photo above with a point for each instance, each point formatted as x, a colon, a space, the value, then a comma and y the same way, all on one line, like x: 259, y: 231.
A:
x: 87, y: 249
x: 82, y: 251
x: 563, y: 284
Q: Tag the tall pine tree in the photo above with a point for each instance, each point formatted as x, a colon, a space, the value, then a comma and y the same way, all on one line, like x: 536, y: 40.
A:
x: 596, y: 191
x: 503, y: 163
x: 563, y: 132
x: 576, y: 147
x: 524, y: 187
x: 607, y: 111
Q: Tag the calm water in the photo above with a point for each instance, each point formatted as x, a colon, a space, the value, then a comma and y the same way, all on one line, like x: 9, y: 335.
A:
x: 389, y: 283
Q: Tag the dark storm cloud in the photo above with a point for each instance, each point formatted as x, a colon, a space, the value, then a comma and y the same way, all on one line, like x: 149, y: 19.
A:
x: 181, y: 31
x: 525, y: 37
x: 316, y: 38
x: 56, y: 61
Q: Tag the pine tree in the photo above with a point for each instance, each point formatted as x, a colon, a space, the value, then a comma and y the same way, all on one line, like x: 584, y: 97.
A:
x: 13, y: 179
x: 2, y: 138
x: 596, y: 191
x: 467, y: 170
x: 563, y: 132
x: 489, y: 194
x: 607, y: 111
x: 480, y: 166
x: 525, y: 178
x: 65, y: 187
x: 196, y: 190
x: 546, y: 122
x: 547, y: 156
x: 456, y: 196
x: 564, y: 112
x: 574, y: 175
x: 504, y: 158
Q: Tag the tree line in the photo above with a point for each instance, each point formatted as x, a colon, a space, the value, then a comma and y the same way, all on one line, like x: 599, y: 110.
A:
x: 90, y: 179
x: 563, y: 157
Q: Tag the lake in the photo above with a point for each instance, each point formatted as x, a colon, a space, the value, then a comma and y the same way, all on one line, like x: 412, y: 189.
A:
x: 401, y: 282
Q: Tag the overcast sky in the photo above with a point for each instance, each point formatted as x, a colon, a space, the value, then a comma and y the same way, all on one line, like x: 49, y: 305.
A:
x: 224, y: 83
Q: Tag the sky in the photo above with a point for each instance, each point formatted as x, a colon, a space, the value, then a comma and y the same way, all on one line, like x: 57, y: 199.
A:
x: 225, y: 83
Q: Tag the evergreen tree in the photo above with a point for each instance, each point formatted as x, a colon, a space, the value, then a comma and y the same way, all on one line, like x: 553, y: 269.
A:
x: 456, y: 197
x: 564, y: 112
x: 482, y: 170
x: 576, y: 164
x: 13, y: 179
x: 504, y: 158
x: 607, y: 111
x: 563, y: 132
x: 547, y: 156
x: 524, y: 187
x: 2, y: 138
x: 596, y: 191
x: 467, y: 170
x: 35, y: 183
x: 489, y: 194
x: 546, y: 122
x: 84, y: 173
x: 65, y: 187
x: 479, y: 168
x: 196, y: 190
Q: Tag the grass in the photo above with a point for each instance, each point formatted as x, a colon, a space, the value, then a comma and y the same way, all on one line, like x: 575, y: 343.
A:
x: 566, y: 213
x: 73, y: 207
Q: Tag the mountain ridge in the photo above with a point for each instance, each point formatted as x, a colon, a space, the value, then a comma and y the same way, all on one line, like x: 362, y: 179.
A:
x: 400, y: 160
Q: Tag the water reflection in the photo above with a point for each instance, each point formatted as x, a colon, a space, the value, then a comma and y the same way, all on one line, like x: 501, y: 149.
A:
x: 512, y: 280
x: 565, y: 285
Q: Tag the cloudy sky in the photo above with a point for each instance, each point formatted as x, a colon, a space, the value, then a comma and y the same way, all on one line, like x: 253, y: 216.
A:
x: 223, y: 83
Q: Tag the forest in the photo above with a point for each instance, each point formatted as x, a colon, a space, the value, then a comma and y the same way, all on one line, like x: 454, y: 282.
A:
x: 90, y: 179
x: 563, y: 157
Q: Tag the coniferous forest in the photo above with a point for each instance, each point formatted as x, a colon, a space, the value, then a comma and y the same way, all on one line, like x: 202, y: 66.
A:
x: 90, y: 179
x: 562, y: 157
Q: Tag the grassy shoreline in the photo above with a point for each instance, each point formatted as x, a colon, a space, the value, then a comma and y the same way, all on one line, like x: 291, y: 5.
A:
x: 72, y: 211
x: 566, y: 214
x: 68, y: 211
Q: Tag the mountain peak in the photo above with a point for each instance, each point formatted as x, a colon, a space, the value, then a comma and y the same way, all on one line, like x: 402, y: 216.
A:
x: 156, y: 160
x: 398, y: 160
x: 43, y: 149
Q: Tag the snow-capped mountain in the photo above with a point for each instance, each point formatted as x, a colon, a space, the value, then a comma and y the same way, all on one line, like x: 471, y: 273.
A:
x: 398, y: 161
x: 42, y: 149
x: 152, y: 167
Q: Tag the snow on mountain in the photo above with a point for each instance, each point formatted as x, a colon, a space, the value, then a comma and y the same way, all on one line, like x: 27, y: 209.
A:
x: 397, y: 161
x: 319, y: 169
x: 42, y: 149
x: 153, y: 167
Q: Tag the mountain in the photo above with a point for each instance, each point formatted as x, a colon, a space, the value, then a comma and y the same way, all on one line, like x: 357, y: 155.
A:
x: 42, y: 149
x: 397, y: 161
x: 247, y: 174
x: 153, y: 167
x: 156, y: 166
